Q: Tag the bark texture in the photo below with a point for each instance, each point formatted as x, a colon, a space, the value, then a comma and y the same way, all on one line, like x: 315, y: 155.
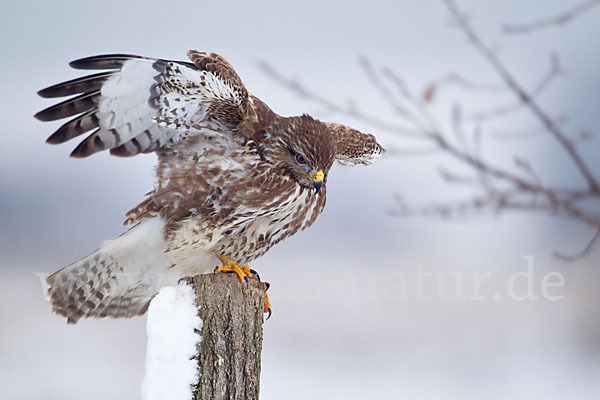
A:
x: 230, y: 350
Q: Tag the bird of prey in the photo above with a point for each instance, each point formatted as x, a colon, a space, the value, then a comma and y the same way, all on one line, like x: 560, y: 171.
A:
x: 233, y: 177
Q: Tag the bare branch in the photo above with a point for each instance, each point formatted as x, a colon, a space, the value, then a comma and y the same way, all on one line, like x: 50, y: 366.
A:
x: 583, y: 135
x: 554, y: 72
x: 432, y: 127
x: 552, y: 21
x: 517, y: 135
x: 349, y: 110
x: 525, y: 166
x: 432, y: 89
x: 434, y: 133
x: 533, y: 133
x: 453, y: 177
x: 525, y: 97
x: 582, y: 253
x: 396, y: 104
x: 493, y: 202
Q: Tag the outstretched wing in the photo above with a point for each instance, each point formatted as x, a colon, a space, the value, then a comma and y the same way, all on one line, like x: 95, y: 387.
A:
x: 354, y: 147
x: 140, y: 104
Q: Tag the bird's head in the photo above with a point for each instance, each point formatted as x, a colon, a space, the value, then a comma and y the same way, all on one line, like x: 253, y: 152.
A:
x: 303, y: 147
x: 306, y: 148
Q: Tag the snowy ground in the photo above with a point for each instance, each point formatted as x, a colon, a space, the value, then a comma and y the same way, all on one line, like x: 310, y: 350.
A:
x: 328, y: 339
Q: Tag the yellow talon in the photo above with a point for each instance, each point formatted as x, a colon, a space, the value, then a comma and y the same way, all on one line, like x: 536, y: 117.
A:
x: 244, y: 273
x: 241, y: 271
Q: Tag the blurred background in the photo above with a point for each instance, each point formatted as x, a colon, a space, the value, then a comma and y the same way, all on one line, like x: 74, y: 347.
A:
x: 352, y: 319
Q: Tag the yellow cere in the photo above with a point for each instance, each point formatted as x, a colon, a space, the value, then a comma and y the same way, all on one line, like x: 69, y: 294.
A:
x: 319, y: 176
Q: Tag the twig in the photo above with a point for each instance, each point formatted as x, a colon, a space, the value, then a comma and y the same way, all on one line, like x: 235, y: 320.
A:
x: 432, y: 89
x: 525, y: 97
x: 493, y: 202
x: 330, y: 106
x: 518, y: 135
x: 554, y: 72
x: 397, y: 105
x: 582, y: 253
x: 548, y: 22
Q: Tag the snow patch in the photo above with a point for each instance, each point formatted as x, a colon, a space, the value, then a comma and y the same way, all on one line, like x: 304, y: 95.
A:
x: 172, y: 339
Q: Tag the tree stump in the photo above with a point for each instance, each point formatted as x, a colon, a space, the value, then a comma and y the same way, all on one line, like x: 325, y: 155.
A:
x: 229, y: 353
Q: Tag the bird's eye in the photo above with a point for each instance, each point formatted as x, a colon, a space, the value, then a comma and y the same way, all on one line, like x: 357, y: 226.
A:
x: 300, y: 159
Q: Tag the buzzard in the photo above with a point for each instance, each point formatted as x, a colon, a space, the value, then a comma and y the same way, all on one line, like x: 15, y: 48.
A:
x: 233, y: 177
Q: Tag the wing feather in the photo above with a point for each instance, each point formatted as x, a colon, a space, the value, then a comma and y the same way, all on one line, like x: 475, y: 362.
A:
x: 105, y: 61
x: 354, y: 147
x: 86, y: 84
x: 68, y: 108
x: 143, y: 104
x: 75, y: 127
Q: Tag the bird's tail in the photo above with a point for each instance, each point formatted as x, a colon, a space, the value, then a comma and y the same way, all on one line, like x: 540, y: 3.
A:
x: 118, y: 280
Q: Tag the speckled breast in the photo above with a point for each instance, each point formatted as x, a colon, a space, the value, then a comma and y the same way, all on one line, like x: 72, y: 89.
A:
x: 253, y: 238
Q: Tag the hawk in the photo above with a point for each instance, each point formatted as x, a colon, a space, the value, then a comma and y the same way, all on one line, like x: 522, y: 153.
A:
x: 233, y: 177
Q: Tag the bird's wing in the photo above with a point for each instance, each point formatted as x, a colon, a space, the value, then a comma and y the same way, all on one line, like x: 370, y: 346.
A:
x: 354, y: 147
x: 141, y: 104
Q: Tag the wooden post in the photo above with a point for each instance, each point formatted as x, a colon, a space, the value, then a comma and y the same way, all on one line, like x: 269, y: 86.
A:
x: 230, y: 350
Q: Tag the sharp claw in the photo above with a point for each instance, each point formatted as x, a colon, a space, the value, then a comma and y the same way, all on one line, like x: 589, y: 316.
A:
x: 253, y: 272
x: 267, y: 285
x: 246, y: 280
x: 215, y: 270
x: 269, y: 316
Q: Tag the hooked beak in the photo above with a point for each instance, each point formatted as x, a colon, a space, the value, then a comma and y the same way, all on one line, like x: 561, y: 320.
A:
x: 317, y: 180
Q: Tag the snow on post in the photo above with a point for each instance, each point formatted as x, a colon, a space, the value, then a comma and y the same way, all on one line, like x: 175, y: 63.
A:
x: 223, y: 361
x: 172, y: 328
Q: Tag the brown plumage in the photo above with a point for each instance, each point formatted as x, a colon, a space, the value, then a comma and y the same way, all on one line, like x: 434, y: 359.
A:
x: 233, y: 177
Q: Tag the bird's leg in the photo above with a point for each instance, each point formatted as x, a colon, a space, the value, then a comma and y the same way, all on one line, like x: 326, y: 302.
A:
x: 244, y: 273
